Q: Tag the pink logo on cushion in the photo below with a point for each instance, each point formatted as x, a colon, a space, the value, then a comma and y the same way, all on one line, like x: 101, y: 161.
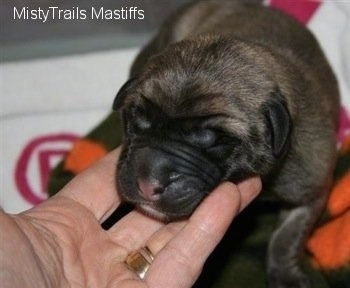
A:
x: 344, y: 125
x: 35, y: 163
x: 302, y: 10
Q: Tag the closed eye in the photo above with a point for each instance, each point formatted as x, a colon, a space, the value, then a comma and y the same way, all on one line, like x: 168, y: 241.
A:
x: 136, y: 119
x: 224, y: 145
x: 141, y: 123
x: 204, y: 138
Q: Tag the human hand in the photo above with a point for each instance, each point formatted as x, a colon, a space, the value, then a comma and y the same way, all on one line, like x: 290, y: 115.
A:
x: 60, y: 243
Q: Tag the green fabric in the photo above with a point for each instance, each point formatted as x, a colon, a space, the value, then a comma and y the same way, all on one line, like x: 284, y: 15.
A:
x: 239, y: 260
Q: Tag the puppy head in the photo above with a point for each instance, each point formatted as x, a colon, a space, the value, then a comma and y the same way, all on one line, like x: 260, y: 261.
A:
x: 201, y: 112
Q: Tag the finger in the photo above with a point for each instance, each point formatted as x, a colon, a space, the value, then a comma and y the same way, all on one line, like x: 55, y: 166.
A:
x: 161, y: 237
x: 183, y: 256
x: 249, y: 189
x: 133, y: 230
x: 136, y: 229
x: 95, y: 187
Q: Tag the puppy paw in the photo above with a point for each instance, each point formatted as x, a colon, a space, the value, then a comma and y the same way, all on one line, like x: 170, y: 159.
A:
x: 288, y: 278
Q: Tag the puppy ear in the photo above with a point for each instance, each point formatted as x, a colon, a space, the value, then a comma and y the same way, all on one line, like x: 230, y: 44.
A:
x: 122, y: 93
x: 279, y: 123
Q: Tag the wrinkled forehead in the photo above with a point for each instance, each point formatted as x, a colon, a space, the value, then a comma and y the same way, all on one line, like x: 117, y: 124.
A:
x: 209, y: 108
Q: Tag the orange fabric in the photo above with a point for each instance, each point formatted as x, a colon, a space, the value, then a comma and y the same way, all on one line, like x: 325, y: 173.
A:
x: 339, y: 200
x: 84, y: 153
x: 330, y: 244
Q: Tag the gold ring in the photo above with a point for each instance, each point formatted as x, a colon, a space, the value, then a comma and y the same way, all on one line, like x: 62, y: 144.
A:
x: 139, y: 261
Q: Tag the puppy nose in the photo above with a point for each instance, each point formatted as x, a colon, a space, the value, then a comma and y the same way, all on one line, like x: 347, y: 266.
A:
x: 150, y: 190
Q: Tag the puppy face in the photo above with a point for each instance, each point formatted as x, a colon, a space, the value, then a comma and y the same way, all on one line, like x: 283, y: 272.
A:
x: 200, y: 113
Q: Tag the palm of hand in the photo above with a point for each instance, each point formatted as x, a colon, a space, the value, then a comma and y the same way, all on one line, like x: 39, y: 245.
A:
x: 60, y: 243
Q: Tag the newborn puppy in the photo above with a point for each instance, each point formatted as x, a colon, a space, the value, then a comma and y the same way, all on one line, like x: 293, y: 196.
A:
x: 225, y: 91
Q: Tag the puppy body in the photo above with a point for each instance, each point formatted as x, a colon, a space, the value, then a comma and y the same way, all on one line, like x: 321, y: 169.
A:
x: 227, y: 90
